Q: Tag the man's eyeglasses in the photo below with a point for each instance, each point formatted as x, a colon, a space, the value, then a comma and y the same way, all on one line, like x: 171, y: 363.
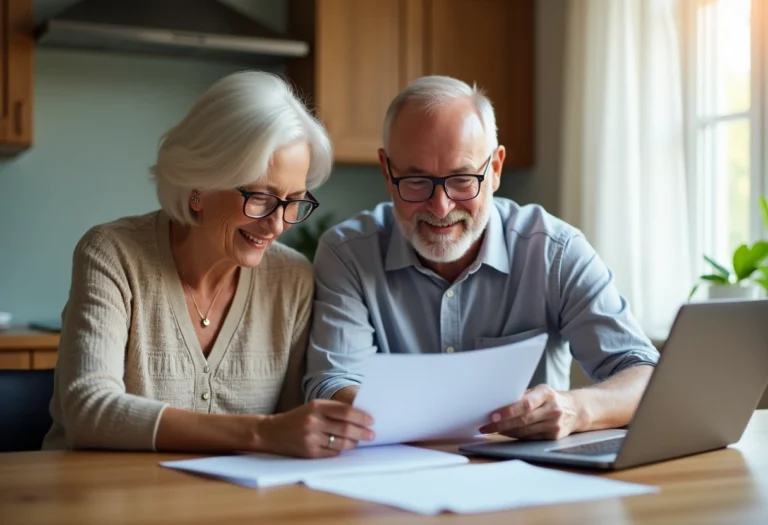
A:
x: 258, y: 204
x: 457, y: 187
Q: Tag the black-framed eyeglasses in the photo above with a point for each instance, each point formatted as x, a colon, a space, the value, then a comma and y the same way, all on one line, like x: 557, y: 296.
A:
x: 457, y: 187
x: 259, y: 204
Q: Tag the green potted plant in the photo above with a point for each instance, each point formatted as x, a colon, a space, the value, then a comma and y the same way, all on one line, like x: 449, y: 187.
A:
x: 308, y: 235
x: 748, y: 275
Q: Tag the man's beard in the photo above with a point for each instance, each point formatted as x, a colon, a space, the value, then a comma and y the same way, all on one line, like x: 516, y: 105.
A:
x: 444, y: 248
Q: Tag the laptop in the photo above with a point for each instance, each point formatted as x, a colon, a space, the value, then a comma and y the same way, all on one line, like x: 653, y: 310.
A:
x: 709, y: 379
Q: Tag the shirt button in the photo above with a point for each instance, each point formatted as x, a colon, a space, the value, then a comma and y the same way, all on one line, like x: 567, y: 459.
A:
x: 450, y: 350
x: 206, y: 395
x: 449, y: 294
x: 206, y: 369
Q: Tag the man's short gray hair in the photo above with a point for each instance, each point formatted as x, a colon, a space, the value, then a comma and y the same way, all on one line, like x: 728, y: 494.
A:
x: 229, y: 137
x: 436, y: 91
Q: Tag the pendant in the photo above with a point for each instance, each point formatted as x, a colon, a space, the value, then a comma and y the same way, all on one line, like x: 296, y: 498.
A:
x: 206, y: 322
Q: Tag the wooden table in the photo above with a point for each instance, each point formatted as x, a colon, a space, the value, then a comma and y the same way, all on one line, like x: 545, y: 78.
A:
x: 23, y: 348
x: 725, y: 486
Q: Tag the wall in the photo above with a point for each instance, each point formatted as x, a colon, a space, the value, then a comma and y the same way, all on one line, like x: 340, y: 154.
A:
x: 542, y: 184
x: 98, y: 118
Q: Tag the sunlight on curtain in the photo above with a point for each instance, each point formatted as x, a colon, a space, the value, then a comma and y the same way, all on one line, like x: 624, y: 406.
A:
x: 623, y: 162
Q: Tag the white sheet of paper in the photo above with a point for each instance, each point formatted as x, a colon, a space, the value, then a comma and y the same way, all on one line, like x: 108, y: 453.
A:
x: 441, y: 396
x: 477, y: 488
x: 265, y: 470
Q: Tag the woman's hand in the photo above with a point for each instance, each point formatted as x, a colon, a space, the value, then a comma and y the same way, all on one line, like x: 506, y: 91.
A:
x: 318, y: 429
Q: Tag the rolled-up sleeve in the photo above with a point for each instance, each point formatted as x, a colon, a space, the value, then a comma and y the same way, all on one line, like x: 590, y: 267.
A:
x: 342, y: 335
x: 604, y: 336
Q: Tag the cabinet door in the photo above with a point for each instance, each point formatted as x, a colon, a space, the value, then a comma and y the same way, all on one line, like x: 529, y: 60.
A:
x: 15, y: 360
x: 489, y: 42
x: 16, y: 73
x: 361, y: 64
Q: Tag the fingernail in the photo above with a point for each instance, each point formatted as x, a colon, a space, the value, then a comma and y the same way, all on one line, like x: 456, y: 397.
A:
x: 495, y: 418
x: 370, y: 436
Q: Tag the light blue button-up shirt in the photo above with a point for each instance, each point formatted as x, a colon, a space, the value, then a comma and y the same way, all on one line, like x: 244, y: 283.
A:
x: 533, y: 273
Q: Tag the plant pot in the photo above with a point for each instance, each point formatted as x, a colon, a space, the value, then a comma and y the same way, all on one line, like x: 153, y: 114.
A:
x: 734, y: 291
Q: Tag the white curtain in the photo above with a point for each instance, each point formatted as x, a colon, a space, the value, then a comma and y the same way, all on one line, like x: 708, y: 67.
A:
x: 623, y: 150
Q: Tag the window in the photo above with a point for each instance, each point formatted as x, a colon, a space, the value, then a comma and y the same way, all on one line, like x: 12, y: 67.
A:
x: 724, y: 94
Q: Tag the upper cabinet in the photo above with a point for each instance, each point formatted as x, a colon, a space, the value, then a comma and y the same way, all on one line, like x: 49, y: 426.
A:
x: 16, y: 73
x: 364, y: 52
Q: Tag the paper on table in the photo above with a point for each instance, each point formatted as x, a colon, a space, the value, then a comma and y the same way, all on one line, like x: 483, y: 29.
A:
x: 437, y: 396
x: 264, y: 470
x: 477, y: 488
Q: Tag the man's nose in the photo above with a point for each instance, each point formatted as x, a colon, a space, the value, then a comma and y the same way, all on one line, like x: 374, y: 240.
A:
x: 440, y: 205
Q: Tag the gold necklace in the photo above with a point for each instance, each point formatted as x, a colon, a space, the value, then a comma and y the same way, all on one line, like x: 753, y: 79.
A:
x: 204, y: 320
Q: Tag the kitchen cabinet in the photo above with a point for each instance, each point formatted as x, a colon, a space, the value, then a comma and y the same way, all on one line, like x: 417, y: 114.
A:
x: 364, y: 52
x: 22, y: 348
x: 16, y: 75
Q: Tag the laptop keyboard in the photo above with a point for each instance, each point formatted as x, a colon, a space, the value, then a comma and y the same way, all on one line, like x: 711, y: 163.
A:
x: 597, y: 448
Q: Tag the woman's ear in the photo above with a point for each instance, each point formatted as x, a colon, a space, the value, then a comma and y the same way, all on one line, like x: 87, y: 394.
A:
x: 194, y: 201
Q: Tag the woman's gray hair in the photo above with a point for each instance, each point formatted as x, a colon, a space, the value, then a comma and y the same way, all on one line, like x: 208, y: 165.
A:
x: 229, y: 137
x: 436, y: 91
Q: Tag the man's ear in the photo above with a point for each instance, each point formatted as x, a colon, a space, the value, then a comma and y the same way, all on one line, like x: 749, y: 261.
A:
x: 384, y: 171
x: 497, y: 162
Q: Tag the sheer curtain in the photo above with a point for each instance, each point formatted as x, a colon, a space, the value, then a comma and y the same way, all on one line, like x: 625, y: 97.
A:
x: 623, y: 150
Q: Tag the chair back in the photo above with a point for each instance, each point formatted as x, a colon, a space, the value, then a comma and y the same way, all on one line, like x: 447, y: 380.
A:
x: 24, y: 414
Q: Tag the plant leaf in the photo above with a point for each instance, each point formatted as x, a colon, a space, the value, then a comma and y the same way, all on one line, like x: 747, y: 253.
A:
x: 746, y: 260
x: 719, y: 268
x: 741, y: 262
x: 714, y: 278
x: 759, y: 252
x: 764, y: 210
x: 693, y: 291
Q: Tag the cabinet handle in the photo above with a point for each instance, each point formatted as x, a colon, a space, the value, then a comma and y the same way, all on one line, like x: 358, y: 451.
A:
x: 18, y: 117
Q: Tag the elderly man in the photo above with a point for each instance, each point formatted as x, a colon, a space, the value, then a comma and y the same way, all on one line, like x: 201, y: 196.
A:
x: 448, y: 267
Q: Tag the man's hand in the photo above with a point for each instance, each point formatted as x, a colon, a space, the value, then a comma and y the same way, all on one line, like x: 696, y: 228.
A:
x: 542, y: 413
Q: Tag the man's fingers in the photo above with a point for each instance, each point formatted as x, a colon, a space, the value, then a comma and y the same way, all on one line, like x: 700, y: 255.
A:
x: 547, y: 429
x: 531, y: 401
x: 539, y: 414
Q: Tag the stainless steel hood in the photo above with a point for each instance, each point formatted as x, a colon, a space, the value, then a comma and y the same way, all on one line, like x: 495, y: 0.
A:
x: 189, y: 28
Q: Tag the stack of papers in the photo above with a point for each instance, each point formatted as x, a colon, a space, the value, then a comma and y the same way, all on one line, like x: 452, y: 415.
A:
x: 266, y: 470
x: 444, y: 396
x: 477, y: 488
x: 437, y: 396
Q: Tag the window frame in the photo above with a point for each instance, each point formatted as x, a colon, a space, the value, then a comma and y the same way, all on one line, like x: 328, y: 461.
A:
x: 702, y: 240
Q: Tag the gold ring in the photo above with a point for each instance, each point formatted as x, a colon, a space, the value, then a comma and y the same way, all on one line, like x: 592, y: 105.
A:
x: 331, y: 439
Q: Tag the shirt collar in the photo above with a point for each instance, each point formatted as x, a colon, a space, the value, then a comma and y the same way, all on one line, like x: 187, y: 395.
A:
x: 493, y: 251
x: 400, y: 253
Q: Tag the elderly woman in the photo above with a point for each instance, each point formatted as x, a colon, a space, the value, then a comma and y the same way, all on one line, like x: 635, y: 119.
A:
x: 186, y: 328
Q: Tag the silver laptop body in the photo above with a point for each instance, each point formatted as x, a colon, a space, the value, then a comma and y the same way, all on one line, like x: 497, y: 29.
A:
x: 711, y: 374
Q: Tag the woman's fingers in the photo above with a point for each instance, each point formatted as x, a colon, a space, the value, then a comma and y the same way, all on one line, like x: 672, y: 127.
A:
x: 325, y: 447
x: 341, y: 412
x: 344, y: 430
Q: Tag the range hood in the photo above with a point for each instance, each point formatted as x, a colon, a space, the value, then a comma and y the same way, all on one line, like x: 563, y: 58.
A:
x: 189, y: 28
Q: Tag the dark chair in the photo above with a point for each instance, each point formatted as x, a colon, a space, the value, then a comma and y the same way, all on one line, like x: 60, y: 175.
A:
x: 24, y: 415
